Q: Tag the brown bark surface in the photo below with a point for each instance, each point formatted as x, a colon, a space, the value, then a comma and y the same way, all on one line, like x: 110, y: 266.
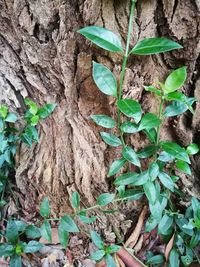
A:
x: 42, y: 57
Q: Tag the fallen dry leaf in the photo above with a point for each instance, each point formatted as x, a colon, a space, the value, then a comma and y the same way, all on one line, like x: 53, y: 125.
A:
x: 128, y: 259
x: 119, y: 262
x: 132, y: 240
x: 55, y: 239
x: 169, y: 247
x: 139, y: 244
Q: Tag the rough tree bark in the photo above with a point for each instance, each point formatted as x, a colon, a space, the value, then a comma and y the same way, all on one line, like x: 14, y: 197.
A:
x: 42, y: 57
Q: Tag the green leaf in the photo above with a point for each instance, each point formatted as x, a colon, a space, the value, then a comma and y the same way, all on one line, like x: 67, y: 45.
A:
x: 15, y: 261
x: 104, y: 121
x: 151, y: 134
x: 96, y: 239
x: 33, y: 246
x: 32, y: 133
x: 175, y: 80
x: 46, y: 110
x: 45, y: 230
x: 151, y: 46
x: 75, y: 200
x: 149, y: 120
x: 165, y: 157
x: 110, y: 139
x: 3, y: 111
x: 174, y: 258
x: 175, y: 150
x: 177, y: 96
x: 130, y: 108
x: 132, y: 194
x: 156, y: 210
x: 153, y: 89
x: 11, y: 118
x: 153, y: 171
x: 32, y: 231
x: 34, y: 120
x: 147, y: 151
x: 21, y: 226
x: 186, y: 260
x: 112, y: 249
x: 45, y: 209
x: 192, y: 149
x: 12, y: 233
x: 97, y: 255
x: 86, y: 219
x: 150, y: 191
x: 141, y: 178
x: 177, y: 107
x: 157, y: 259
x: 129, y: 127
x: 103, y: 38
x: 165, y: 225
x: 151, y: 224
x: 6, y: 250
x: 166, y: 180
x: 68, y: 224
x: 130, y: 155
x: 126, y: 178
x: 33, y: 108
x: 104, y: 79
x: 196, y: 207
x: 63, y: 234
x: 110, y: 261
x: 183, y: 166
x: 116, y: 166
x: 195, y: 240
x: 105, y: 199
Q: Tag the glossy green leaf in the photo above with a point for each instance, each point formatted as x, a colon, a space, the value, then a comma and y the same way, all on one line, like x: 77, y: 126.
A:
x: 157, y: 259
x: 156, y: 210
x: 105, y: 199
x: 103, y: 38
x: 151, y: 46
x: 45, y: 208
x: 177, y: 107
x: 75, y: 200
x: 153, y: 171
x: 112, y: 249
x: 35, y: 120
x: 46, y: 110
x: 33, y: 108
x: 63, y: 234
x: 97, y: 255
x: 104, y: 121
x: 132, y: 194
x: 69, y: 224
x: 104, y: 79
x: 116, y: 166
x: 130, y: 108
x: 149, y: 120
x: 192, y: 149
x: 177, y: 96
x: 165, y: 157
x: 126, y: 178
x: 175, y: 150
x: 11, y: 118
x: 150, y: 191
x: 110, y: 261
x: 141, y: 178
x: 45, y: 230
x: 15, y: 261
x: 33, y: 246
x: 151, y: 134
x: 165, y: 224
x: 32, y: 231
x: 174, y: 258
x: 3, y: 111
x: 147, y: 151
x: 153, y: 89
x: 130, y: 155
x: 166, y: 180
x: 96, y: 239
x: 183, y: 166
x: 111, y: 139
x: 6, y: 250
x: 151, y: 224
x: 129, y: 127
x: 175, y: 80
x: 12, y: 233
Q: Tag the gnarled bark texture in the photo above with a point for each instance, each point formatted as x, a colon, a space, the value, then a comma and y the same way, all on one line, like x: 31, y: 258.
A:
x: 43, y: 57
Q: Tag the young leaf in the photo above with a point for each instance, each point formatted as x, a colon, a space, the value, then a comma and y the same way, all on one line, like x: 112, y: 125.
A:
x: 96, y: 239
x: 33, y: 108
x: 32, y: 231
x: 166, y: 180
x: 150, y: 191
x: 97, y: 255
x: 151, y: 46
x: 147, y: 151
x: 46, y: 110
x: 68, y: 224
x: 45, y: 209
x: 130, y: 155
x: 165, y: 225
x: 110, y: 261
x: 63, y: 235
x: 3, y: 111
x: 149, y: 121
x: 11, y: 118
x: 103, y: 38
x: 174, y: 258
x: 32, y: 247
x: 126, y: 178
x: 104, y: 121
x: 75, y: 200
x: 175, y: 150
x: 175, y: 80
x: 129, y: 127
x: 110, y: 139
x: 12, y: 233
x: 34, y: 120
x: 116, y: 166
x: 104, y: 79
x: 192, y: 149
x: 130, y: 108
x: 183, y: 166
x: 112, y: 249
x: 105, y: 199
x: 45, y: 230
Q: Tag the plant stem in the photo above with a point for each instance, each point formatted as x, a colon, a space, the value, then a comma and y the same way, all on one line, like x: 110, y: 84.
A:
x: 125, y: 58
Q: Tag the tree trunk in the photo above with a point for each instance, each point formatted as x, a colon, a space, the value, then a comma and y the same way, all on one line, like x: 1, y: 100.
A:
x: 44, y: 58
